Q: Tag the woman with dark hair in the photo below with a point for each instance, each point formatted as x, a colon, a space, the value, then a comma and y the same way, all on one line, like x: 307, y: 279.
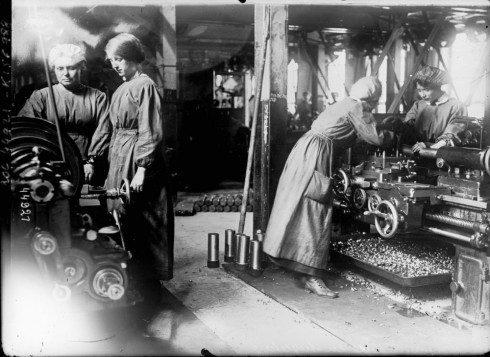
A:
x: 299, y: 229
x: 136, y: 153
x: 430, y: 121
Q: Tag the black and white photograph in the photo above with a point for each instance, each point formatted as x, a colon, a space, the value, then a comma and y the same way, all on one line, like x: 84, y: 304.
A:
x: 245, y: 177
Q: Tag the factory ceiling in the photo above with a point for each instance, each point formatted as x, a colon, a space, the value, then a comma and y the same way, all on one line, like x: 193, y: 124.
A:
x: 207, y: 24
x: 229, y: 27
x: 228, y: 22
x: 315, y: 17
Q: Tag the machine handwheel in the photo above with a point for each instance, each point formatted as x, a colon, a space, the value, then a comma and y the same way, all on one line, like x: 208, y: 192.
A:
x: 373, y: 202
x: 341, y: 183
x: 359, y: 198
x: 125, y: 192
x: 386, y: 219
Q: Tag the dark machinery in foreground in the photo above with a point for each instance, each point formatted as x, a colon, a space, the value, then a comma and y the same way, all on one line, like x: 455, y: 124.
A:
x: 442, y: 194
x: 77, y: 256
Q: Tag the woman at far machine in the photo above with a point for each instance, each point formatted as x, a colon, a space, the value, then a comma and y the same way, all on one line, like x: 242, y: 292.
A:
x: 81, y: 109
x: 136, y: 154
x: 299, y: 230
x: 431, y: 122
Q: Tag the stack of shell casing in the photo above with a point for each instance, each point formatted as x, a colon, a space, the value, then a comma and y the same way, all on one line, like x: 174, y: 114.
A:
x: 222, y: 203
x: 402, y: 256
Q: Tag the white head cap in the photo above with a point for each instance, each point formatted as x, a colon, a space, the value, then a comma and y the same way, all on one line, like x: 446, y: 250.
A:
x: 66, y: 50
x: 366, y: 89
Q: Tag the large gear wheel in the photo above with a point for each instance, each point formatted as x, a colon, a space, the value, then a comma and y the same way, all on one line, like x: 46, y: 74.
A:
x: 30, y: 132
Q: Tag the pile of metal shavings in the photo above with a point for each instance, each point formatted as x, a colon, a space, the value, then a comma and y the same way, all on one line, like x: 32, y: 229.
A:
x: 400, y: 300
x: 404, y: 257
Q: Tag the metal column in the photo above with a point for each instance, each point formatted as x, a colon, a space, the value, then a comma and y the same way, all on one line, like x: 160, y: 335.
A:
x: 394, y: 61
x: 486, y: 116
x: 408, y: 79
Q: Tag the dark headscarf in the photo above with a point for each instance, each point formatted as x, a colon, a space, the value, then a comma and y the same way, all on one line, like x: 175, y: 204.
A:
x: 429, y: 76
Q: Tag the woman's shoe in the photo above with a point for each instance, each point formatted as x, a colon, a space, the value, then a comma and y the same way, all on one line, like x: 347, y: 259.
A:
x: 317, y: 286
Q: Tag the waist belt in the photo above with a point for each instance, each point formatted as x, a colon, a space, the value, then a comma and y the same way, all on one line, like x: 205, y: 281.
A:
x: 321, y: 134
x: 124, y: 131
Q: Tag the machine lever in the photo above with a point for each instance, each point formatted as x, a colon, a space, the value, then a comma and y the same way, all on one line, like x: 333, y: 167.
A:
x: 378, y: 214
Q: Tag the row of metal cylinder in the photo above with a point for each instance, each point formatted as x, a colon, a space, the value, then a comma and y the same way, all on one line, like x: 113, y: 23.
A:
x: 222, y: 203
x: 240, y: 249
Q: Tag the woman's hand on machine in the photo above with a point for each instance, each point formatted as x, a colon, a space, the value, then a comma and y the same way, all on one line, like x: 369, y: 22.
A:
x: 392, y: 123
x: 89, y: 172
x: 138, y: 179
x: 418, y: 146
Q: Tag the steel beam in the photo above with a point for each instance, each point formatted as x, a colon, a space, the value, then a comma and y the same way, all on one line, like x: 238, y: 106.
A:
x: 395, y: 33
x: 418, y: 61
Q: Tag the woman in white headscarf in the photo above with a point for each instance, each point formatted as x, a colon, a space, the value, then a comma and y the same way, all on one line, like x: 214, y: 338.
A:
x: 298, y: 234
x: 81, y: 109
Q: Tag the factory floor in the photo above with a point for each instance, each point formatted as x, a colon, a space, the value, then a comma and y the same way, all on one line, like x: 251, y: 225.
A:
x: 225, y: 312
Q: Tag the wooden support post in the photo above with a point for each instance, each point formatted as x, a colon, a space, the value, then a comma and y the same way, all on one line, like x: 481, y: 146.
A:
x: 418, y: 61
x: 260, y: 214
x: 167, y: 67
x: 271, y: 133
x: 278, y: 95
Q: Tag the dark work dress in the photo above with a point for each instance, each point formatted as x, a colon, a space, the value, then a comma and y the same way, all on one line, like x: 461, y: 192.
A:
x: 137, y: 139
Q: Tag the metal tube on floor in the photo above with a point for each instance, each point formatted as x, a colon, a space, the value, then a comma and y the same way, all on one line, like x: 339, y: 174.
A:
x: 256, y: 255
x: 230, y: 245
x: 213, y: 250
x: 237, y: 241
x: 259, y: 236
x: 242, y: 257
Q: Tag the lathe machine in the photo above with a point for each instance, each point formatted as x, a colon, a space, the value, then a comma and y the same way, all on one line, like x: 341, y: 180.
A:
x: 442, y: 194
x: 78, y: 253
